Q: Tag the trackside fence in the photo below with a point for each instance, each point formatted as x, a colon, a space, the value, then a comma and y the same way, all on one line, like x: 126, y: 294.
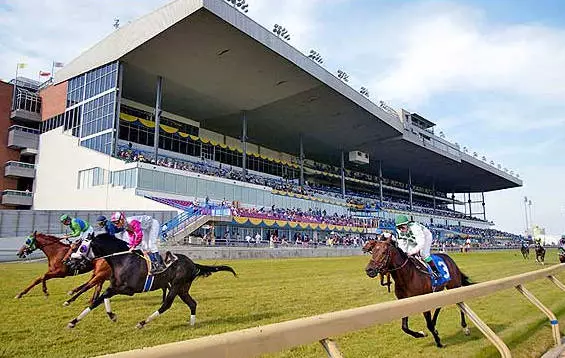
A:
x: 276, y: 337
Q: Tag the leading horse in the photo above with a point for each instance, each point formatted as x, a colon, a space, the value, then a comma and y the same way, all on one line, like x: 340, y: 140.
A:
x: 55, y: 251
x: 412, y: 279
x: 130, y: 276
x: 368, y: 248
x: 525, y: 250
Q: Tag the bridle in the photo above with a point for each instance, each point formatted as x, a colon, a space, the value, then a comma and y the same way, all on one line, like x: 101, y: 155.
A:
x: 383, y: 267
x: 35, y: 245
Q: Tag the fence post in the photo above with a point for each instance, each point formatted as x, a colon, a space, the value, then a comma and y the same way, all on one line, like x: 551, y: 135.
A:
x: 556, y: 282
x: 547, y: 311
x: 495, y: 340
x: 331, y: 348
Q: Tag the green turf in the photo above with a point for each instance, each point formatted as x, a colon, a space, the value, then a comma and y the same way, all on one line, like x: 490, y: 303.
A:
x: 269, y: 291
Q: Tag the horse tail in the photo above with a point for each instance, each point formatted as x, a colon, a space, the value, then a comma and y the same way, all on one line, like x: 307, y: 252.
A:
x: 205, y: 271
x: 465, y: 281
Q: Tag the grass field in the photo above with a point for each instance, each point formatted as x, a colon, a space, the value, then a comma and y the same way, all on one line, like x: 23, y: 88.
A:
x: 269, y: 291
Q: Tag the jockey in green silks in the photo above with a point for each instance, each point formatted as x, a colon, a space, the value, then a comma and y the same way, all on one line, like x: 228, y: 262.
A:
x: 415, y: 239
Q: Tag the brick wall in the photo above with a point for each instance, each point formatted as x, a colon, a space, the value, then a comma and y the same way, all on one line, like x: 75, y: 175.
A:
x: 6, y: 154
x: 53, y: 100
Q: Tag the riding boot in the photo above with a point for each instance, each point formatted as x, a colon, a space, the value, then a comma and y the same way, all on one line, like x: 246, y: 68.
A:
x: 156, y: 262
x: 435, y: 271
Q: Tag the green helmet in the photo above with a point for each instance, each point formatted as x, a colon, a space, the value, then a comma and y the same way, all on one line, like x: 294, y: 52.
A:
x: 64, y: 217
x: 401, y: 220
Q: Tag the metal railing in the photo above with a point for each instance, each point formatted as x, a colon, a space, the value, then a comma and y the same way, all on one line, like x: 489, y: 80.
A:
x: 23, y: 129
x: 17, y: 193
x: 14, y: 163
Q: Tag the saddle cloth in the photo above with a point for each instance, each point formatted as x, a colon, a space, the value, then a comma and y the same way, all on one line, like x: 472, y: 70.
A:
x: 444, y: 274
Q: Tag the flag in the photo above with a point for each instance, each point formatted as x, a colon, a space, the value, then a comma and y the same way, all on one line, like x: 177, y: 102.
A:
x: 44, y: 74
x: 22, y: 65
x: 58, y: 64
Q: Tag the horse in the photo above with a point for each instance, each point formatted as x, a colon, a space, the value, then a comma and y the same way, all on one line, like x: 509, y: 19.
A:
x: 55, y: 251
x: 130, y: 275
x: 412, y: 279
x: 368, y: 248
x: 540, y: 254
x: 562, y: 257
x: 525, y: 251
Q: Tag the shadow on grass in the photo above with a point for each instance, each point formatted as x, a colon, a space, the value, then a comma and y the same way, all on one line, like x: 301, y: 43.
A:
x: 231, y: 320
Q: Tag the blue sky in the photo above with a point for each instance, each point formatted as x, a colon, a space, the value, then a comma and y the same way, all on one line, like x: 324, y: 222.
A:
x: 491, y: 74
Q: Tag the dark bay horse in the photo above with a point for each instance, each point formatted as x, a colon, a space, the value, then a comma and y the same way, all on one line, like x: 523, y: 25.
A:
x: 412, y: 279
x: 368, y: 248
x: 55, y: 251
x: 540, y: 254
x: 129, y: 276
x: 525, y: 251
x: 562, y: 257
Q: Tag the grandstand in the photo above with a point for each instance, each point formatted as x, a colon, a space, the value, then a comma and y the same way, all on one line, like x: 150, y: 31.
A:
x: 196, y: 104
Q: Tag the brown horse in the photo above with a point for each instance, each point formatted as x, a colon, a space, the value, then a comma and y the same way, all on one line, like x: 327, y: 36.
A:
x: 368, y: 248
x: 55, y: 251
x: 562, y: 257
x: 412, y: 279
x: 540, y: 254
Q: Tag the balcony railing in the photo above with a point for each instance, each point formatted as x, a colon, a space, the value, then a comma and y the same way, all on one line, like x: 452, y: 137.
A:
x: 23, y: 137
x: 17, y: 198
x: 19, y: 170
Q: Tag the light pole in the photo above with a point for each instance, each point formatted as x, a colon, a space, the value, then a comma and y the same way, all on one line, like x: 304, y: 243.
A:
x: 526, y: 213
x: 531, y: 217
x: 281, y: 32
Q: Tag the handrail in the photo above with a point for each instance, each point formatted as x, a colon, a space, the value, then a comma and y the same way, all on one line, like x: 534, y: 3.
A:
x: 20, y: 164
x: 23, y: 129
x: 17, y: 192
x: 280, y: 336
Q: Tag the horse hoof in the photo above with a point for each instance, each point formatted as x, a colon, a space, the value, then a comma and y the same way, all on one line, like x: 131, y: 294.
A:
x: 18, y: 297
x: 423, y: 334
x: 140, y: 325
x: 113, y: 317
x: 70, y: 293
x: 66, y: 303
x: 439, y: 345
x: 467, y: 331
x: 71, y: 325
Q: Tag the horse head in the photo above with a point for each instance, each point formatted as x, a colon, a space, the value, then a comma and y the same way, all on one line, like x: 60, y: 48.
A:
x: 29, y: 246
x: 381, y: 252
x: 368, y: 247
x: 106, y: 244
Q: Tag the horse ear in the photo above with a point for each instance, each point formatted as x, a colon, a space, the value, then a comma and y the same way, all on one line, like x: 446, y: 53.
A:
x: 35, y: 233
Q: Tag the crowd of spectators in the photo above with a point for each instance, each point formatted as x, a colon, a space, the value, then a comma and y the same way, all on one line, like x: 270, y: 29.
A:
x: 484, y: 234
x: 360, y: 199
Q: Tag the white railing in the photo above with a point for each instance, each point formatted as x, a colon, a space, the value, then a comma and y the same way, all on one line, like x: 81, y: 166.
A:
x: 276, y: 337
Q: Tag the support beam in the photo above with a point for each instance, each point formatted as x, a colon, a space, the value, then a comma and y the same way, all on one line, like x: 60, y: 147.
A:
x: 118, y: 108
x: 381, y: 182
x: 331, y: 348
x: 470, y: 205
x: 491, y: 336
x: 157, y: 115
x: 556, y: 282
x: 244, y: 144
x: 301, y: 154
x: 453, y: 199
x: 552, y: 318
x: 484, y: 210
x: 434, y: 194
x: 410, y: 187
x: 342, y: 174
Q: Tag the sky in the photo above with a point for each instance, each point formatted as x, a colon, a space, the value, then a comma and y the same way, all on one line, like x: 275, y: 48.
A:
x: 490, y: 74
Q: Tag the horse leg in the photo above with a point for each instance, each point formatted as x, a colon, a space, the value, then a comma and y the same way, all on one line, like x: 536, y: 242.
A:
x: 96, y: 280
x: 106, y: 295
x: 173, y: 291
x: 97, y: 291
x: 164, y: 295
x: 190, y: 302
x: 28, y: 288
x: 76, y: 289
x: 432, y: 327
x: 436, y: 313
x: 464, y: 324
x: 109, y: 312
x: 409, y: 331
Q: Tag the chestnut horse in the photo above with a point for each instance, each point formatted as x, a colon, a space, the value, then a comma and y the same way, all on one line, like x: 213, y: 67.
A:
x: 368, y: 248
x: 412, y: 279
x: 55, y: 251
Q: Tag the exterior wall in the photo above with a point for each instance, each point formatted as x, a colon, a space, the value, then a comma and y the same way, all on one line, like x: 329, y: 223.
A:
x: 54, y: 100
x: 6, y: 154
x: 58, y: 163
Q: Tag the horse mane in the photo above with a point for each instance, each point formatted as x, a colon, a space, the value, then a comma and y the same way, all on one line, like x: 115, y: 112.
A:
x: 52, y: 238
x: 109, y: 243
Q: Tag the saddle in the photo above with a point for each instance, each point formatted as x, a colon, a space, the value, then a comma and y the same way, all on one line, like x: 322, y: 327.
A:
x: 445, y: 275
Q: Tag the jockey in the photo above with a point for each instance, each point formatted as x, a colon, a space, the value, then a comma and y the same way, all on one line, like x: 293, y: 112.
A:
x: 414, y: 238
x: 562, y: 245
x: 79, y: 229
x: 140, y: 230
x: 106, y: 225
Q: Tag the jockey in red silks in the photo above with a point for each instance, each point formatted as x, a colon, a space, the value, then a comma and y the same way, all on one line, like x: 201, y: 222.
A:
x: 140, y: 231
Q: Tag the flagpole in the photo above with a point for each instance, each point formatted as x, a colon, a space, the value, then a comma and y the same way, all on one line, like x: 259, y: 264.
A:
x: 15, y: 88
x: 52, y: 70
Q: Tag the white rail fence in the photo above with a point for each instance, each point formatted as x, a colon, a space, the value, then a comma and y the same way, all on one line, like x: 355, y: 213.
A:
x: 277, y: 337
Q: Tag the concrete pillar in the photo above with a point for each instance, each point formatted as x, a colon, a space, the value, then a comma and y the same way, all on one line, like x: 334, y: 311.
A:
x: 483, y: 202
x: 342, y: 174
x: 244, y: 144
x: 380, y: 182
x: 158, y: 114
x: 410, y: 187
x: 301, y: 154
x: 118, y: 108
x: 470, y: 205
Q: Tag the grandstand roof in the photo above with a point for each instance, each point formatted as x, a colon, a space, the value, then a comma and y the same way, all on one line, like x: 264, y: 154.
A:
x: 216, y: 62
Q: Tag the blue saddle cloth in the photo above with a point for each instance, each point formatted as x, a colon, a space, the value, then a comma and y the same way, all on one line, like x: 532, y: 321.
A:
x: 444, y: 274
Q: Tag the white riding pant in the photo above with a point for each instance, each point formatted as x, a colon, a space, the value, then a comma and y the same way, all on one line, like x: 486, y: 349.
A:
x: 428, y: 238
